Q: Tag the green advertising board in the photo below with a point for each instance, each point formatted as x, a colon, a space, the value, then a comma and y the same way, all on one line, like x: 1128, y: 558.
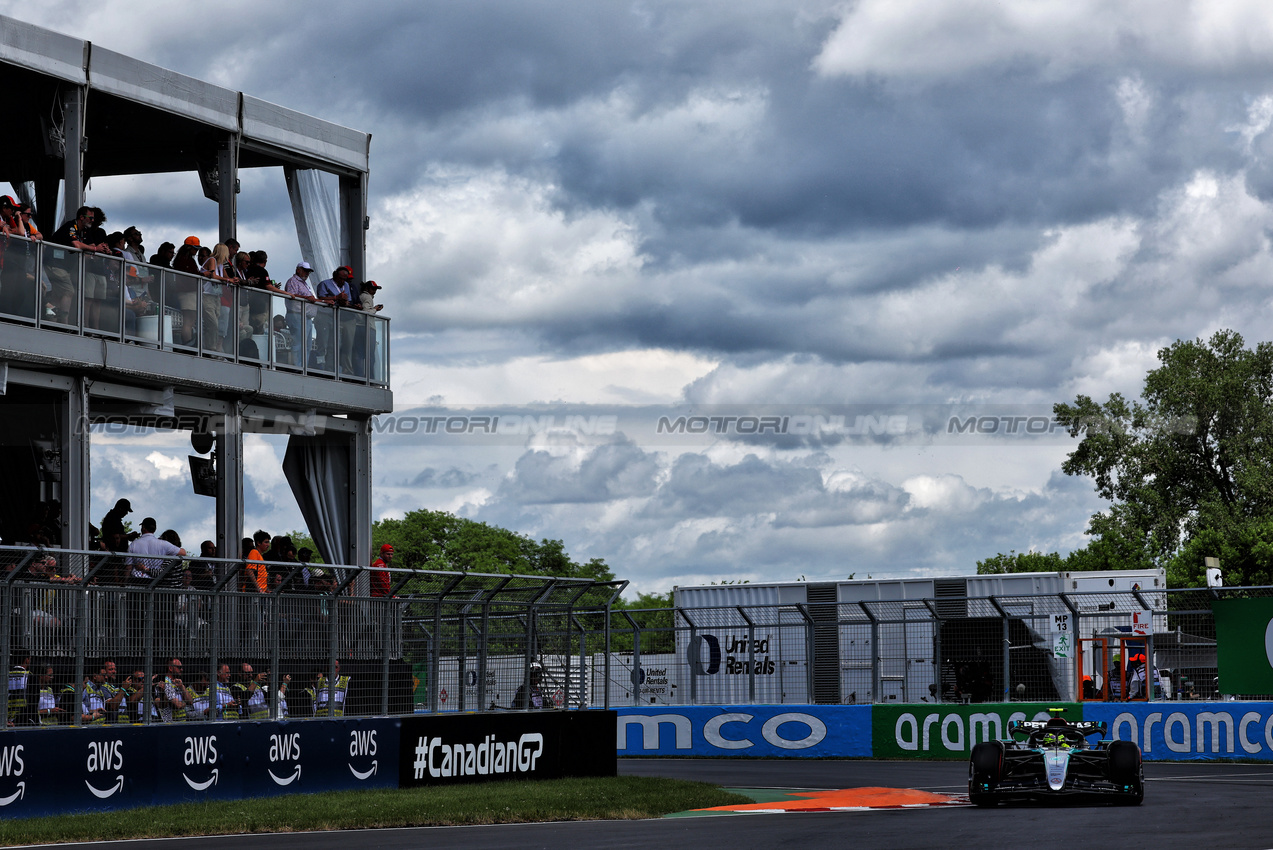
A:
x: 1244, y: 644
x: 949, y: 731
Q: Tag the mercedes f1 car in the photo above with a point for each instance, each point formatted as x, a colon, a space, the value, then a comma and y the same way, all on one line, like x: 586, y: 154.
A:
x: 1055, y: 760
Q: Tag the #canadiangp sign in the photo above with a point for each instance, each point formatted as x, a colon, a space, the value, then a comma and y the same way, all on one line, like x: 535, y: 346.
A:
x: 445, y: 749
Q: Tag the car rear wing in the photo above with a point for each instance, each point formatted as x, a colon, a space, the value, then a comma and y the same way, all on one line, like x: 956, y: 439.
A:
x: 1023, y: 728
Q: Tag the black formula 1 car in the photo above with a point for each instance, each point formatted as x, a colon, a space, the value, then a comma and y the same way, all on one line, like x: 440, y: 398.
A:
x: 1055, y: 760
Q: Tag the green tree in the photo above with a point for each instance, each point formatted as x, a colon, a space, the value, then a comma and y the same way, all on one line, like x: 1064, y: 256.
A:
x: 436, y: 540
x: 1187, y: 469
x: 1020, y: 562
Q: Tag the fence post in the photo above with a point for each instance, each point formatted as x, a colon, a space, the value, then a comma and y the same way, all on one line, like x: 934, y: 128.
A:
x: 691, y: 653
x: 388, y: 615
x: 751, y: 654
x: 1007, y: 645
x: 938, y: 661
x: 636, y: 659
x: 876, y: 685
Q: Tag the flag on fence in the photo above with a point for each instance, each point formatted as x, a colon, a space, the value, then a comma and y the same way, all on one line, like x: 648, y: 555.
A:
x: 1244, y: 637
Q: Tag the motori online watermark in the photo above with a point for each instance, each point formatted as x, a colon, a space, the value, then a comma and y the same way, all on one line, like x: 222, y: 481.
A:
x: 788, y: 426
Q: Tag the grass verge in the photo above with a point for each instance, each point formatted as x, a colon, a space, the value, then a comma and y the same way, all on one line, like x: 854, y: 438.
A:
x: 611, y: 798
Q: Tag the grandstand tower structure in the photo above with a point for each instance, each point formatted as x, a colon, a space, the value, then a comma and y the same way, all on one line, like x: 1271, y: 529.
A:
x: 77, y: 110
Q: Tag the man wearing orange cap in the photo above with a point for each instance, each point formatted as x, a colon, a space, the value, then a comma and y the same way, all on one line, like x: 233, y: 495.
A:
x: 380, y: 571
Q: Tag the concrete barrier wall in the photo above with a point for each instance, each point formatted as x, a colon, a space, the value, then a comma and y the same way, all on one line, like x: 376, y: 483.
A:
x: 55, y: 771
x: 1165, y: 731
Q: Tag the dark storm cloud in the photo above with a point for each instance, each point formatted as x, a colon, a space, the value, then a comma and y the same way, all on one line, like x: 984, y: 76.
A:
x: 442, y: 478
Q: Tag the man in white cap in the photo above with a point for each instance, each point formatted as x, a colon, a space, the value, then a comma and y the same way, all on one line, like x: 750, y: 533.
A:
x: 298, y: 287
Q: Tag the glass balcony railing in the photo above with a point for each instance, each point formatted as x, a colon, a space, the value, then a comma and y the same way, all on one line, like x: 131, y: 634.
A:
x: 63, y: 289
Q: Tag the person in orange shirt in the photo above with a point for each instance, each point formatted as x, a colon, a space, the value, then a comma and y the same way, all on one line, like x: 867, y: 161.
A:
x: 257, y: 577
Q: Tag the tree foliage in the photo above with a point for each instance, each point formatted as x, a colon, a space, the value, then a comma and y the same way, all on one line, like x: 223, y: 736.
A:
x: 1187, y: 469
x: 436, y: 540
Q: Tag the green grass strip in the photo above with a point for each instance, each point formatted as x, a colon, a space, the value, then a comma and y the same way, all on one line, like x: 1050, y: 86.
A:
x: 611, y: 798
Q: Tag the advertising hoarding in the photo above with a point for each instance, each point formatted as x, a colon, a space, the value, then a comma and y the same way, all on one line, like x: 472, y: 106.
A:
x: 785, y: 731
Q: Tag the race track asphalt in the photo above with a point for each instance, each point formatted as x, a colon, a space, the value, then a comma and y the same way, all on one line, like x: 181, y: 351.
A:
x: 1200, y: 805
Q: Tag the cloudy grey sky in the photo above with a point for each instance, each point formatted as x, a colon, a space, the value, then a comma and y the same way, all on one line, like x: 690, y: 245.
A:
x: 632, y: 210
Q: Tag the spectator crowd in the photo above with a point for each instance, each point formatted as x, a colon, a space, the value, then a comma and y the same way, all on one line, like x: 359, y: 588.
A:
x: 129, y: 289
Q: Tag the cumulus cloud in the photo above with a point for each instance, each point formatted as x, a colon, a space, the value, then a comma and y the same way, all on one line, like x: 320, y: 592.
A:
x: 935, y: 38
x: 888, y: 202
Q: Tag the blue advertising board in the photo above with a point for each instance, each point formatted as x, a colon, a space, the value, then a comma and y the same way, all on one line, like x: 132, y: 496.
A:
x: 1190, y: 731
x: 784, y: 731
x: 52, y: 771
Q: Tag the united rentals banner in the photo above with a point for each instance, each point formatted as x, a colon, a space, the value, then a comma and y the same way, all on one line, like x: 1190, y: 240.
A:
x: 949, y: 731
x: 448, y: 749
x: 1244, y: 638
x: 783, y: 731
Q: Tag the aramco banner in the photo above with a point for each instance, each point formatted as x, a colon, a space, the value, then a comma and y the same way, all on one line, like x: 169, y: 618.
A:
x: 949, y: 731
x: 1189, y: 731
x: 1244, y: 642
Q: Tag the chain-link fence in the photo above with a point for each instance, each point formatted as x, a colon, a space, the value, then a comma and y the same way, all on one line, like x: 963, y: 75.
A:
x: 1111, y: 646
x: 102, y: 637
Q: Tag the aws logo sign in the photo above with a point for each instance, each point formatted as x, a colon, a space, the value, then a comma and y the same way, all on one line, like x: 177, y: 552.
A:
x: 105, y: 757
x: 285, y: 748
x: 201, y: 751
x: 12, y: 764
x: 363, y: 745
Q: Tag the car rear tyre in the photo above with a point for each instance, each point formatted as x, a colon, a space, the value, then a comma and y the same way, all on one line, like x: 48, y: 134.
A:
x: 985, y: 769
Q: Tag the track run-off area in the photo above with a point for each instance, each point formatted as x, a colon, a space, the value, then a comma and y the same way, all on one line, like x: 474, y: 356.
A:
x: 888, y: 804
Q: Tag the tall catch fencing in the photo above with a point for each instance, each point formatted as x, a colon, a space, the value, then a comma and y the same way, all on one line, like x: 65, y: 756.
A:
x: 1113, y: 646
x: 100, y: 637
x: 113, y: 637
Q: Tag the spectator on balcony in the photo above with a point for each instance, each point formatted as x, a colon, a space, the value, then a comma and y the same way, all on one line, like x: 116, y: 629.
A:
x: 163, y: 257
x: 256, y: 577
x: 337, y: 292
x: 133, y: 249
x: 11, y: 223
x: 186, y: 294
x: 236, y: 271
x: 367, y: 296
x: 380, y: 571
x: 75, y: 233
x: 367, y: 302
x: 146, y: 569
x: 204, y: 573
x: 135, y: 252
x: 299, y: 314
x: 259, y: 287
x: 213, y: 267
x: 28, y: 221
x: 96, y: 284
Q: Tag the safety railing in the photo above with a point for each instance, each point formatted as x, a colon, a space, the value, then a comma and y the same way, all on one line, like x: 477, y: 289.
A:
x: 63, y: 289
